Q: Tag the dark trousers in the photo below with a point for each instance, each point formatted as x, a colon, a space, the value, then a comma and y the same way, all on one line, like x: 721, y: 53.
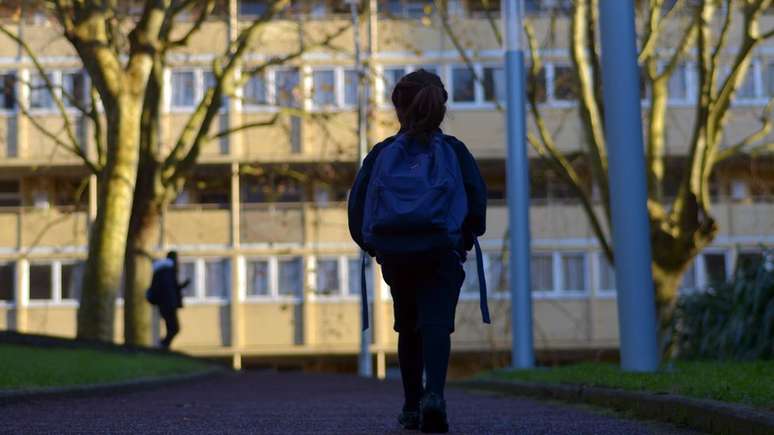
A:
x: 173, y: 325
x: 425, y: 297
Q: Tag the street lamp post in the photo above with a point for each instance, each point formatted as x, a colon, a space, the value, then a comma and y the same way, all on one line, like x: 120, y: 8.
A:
x: 628, y: 190
x: 365, y: 363
x: 522, y: 353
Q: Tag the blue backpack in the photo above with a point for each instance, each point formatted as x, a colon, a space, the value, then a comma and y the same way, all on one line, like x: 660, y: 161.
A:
x: 416, y: 205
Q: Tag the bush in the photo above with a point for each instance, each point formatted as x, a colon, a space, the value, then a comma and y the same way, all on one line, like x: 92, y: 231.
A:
x: 732, y: 320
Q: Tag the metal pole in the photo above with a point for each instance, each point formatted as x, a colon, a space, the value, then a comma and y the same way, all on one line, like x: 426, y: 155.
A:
x: 365, y: 364
x: 628, y: 191
x: 517, y: 165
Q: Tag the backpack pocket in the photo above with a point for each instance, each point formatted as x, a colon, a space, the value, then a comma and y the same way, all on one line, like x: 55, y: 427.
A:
x: 402, y: 206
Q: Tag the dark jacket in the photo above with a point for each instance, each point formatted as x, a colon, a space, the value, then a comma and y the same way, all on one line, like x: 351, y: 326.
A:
x: 168, y: 292
x: 475, y: 222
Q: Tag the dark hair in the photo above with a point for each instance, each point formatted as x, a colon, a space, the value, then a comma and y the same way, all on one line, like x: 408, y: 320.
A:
x: 172, y: 255
x: 420, y: 102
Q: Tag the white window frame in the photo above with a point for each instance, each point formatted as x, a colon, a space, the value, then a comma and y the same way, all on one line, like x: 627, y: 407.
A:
x: 342, y: 268
x: 271, y: 277
x: 17, y: 91
x: 551, y: 100
x: 338, y: 97
x: 56, y: 82
x: 198, y: 91
x: 56, y: 285
x: 342, y: 88
x: 275, y: 275
x: 226, y: 261
x: 478, y: 91
x: 86, y: 84
x: 383, y: 101
x: 759, y: 97
x: 270, y: 106
x: 480, y: 71
x: 598, y: 262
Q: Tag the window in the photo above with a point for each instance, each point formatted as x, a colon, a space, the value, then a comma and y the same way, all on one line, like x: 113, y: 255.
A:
x: 216, y: 279
x: 565, y: 88
x: 678, y: 84
x: 186, y: 270
x: 210, y: 81
x: 74, y: 89
x: 470, y: 284
x: 72, y: 277
x: 183, y: 88
x: 40, y: 94
x: 255, y: 91
x: 769, y: 79
x: 8, y: 91
x: 328, y: 276
x: 355, y: 278
x: 287, y: 88
x: 429, y: 68
x: 715, y: 268
x: 9, y: 193
x: 350, y: 87
x: 291, y: 276
x: 409, y: 8
x: 574, y: 272
x: 7, y: 282
x: 497, y: 273
x: 747, y: 89
x: 463, y: 85
x: 541, y: 268
x: 258, y: 278
x: 494, y: 84
x: 688, y: 284
x: 538, y: 86
x: 606, y: 274
x: 324, y: 88
x: 747, y: 263
x: 253, y: 7
x: 40, y: 281
x: 391, y: 78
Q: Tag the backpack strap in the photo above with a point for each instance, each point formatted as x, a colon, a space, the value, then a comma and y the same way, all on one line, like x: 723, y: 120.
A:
x: 363, y: 291
x: 481, y: 282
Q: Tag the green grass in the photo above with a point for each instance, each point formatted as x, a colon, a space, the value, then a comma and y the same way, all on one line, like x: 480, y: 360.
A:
x: 749, y: 383
x: 26, y: 368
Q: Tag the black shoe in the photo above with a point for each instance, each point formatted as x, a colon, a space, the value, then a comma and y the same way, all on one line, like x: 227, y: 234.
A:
x: 432, y: 417
x: 409, y: 418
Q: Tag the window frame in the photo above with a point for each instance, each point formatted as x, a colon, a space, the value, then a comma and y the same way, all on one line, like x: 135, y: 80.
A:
x: 56, y: 284
x: 337, y: 91
x: 304, y: 276
x: 17, y: 90
x: 271, y: 278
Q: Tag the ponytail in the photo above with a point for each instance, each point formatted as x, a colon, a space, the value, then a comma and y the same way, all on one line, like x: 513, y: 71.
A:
x: 420, y: 102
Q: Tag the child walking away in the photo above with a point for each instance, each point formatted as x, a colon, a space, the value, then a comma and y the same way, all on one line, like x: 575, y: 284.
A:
x: 418, y: 205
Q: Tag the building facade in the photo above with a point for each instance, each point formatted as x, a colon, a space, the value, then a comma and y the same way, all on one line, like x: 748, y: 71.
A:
x: 261, y: 226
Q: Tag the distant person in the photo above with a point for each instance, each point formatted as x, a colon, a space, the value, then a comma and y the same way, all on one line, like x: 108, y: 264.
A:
x: 418, y: 205
x: 167, y: 293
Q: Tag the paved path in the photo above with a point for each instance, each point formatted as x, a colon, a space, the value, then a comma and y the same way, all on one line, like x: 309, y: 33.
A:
x: 264, y: 402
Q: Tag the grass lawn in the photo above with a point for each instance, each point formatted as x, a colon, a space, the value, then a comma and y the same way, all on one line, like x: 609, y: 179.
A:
x: 749, y: 383
x: 26, y: 367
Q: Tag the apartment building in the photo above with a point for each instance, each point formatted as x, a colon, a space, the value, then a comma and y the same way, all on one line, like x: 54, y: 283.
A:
x: 261, y: 226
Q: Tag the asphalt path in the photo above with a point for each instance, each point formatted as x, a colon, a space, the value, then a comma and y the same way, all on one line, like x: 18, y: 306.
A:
x: 296, y: 403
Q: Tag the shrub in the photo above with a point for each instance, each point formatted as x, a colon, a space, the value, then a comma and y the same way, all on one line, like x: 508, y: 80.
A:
x: 732, y: 320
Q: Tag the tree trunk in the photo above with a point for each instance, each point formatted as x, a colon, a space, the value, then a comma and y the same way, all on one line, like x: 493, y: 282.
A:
x: 107, y: 240
x: 667, y: 288
x: 138, y: 261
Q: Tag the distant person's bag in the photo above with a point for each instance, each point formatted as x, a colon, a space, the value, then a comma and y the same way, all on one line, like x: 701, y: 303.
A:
x: 416, y: 205
x: 152, y: 294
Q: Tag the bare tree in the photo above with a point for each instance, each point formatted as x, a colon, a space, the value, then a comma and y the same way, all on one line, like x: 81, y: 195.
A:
x: 126, y: 68
x: 681, y: 226
x: 165, y: 173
